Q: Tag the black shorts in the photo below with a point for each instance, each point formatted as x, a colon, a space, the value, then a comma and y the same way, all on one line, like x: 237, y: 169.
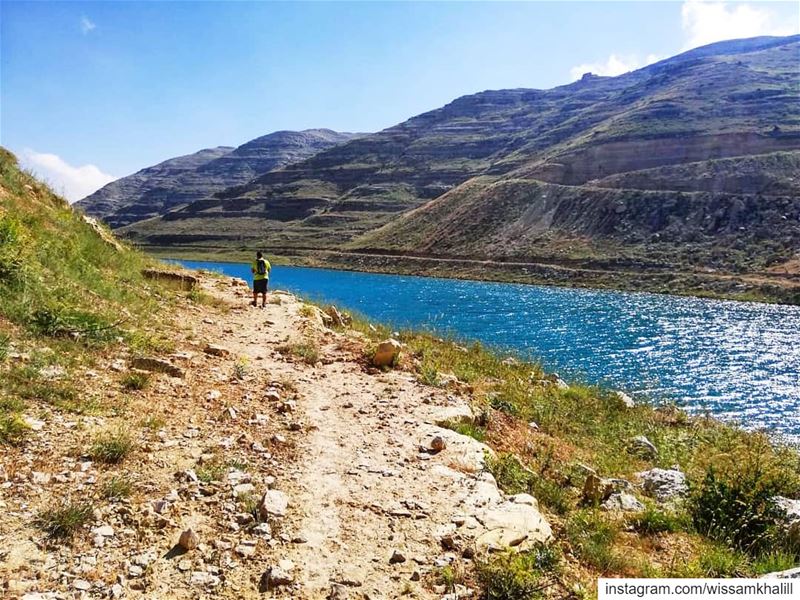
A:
x: 260, y: 286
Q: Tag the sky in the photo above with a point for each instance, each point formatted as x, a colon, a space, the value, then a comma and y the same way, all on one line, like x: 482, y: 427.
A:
x: 93, y: 91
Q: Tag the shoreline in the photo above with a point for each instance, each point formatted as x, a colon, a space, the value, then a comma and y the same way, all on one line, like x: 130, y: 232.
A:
x: 744, y: 288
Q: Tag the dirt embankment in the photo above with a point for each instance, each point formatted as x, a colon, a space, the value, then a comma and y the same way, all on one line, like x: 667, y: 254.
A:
x: 301, y: 470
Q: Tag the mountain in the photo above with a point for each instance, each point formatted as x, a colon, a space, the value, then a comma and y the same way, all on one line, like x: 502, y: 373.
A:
x: 156, y: 190
x: 687, y: 163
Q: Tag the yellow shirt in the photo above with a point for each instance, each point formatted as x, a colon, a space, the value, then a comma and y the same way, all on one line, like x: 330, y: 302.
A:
x: 256, y: 275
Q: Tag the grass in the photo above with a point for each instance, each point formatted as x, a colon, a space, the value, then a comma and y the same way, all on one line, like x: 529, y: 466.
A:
x: 472, y: 430
x: 112, y: 447
x: 135, y: 381
x: 654, y: 520
x: 307, y: 350
x: 5, y: 346
x: 117, y: 488
x: 13, y: 429
x: 516, y: 576
x: 64, y: 522
x: 592, y: 537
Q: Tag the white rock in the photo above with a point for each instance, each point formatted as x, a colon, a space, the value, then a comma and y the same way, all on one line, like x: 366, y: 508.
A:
x: 274, y: 503
x: 624, y: 502
x: 663, y: 484
x: 104, y: 530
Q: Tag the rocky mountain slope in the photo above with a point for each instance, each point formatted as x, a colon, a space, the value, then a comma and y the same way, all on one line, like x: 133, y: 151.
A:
x: 156, y: 190
x: 723, y: 101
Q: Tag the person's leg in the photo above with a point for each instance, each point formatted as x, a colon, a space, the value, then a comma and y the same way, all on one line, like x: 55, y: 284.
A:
x: 255, y: 296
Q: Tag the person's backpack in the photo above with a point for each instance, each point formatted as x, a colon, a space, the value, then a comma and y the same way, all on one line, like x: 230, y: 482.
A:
x: 261, y: 266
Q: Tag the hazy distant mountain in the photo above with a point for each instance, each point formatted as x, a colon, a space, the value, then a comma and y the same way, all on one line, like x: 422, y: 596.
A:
x: 525, y: 174
x: 156, y: 190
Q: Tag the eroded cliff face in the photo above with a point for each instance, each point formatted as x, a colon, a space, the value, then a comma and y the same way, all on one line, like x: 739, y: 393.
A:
x: 156, y: 190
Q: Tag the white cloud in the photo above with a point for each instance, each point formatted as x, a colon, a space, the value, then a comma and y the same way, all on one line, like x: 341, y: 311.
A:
x: 614, y: 65
x: 703, y: 22
x: 71, y: 182
x: 87, y: 25
x: 707, y: 22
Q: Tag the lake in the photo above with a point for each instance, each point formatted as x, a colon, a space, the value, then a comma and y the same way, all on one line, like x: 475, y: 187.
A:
x: 738, y: 360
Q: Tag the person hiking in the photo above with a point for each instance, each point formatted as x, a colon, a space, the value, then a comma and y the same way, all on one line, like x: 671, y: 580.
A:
x: 260, y: 269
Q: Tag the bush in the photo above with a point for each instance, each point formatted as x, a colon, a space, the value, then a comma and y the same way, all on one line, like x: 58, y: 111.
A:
x: 515, y: 576
x: 12, y: 429
x: 511, y: 476
x: 737, y: 511
x: 5, y: 345
x: 592, y: 538
x: 111, y: 447
x: 654, y: 520
x: 117, y: 488
x: 135, y: 381
x: 65, y: 521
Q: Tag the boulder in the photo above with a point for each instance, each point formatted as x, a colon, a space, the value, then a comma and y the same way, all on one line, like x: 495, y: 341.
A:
x: 216, y: 350
x: 188, y: 540
x: 273, y: 504
x: 512, y: 525
x: 626, y: 399
x: 663, y: 484
x: 642, y: 447
x: 623, y: 502
x: 788, y: 574
x: 387, y: 353
x: 338, y: 319
x: 597, y: 490
x: 274, y: 577
x: 789, y: 511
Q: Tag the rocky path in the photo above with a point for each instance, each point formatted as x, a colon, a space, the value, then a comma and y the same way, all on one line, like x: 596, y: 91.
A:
x: 333, y: 479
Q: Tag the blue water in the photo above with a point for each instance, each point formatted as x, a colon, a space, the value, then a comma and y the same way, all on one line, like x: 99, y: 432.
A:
x: 740, y: 361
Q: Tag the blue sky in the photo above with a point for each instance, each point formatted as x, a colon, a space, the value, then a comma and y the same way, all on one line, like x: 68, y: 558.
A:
x: 90, y: 91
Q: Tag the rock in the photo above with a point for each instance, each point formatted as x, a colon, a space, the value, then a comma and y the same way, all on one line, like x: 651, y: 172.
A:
x: 188, y: 540
x: 625, y: 399
x: 436, y: 444
x: 510, y: 524
x: 663, y: 484
x: 34, y: 424
x: 247, y: 548
x: 274, y: 503
x: 117, y: 590
x: 533, y: 426
x: 156, y: 365
x: 104, y: 530
x: 215, y: 350
x: 415, y: 576
x: 337, y: 318
x: 789, y: 515
x: 396, y: 557
x: 185, y: 565
x: 351, y: 576
x: 387, y: 353
x: 262, y: 529
x: 788, y: 574
x: 272, y: 395
x: 524, y: 499
x: 622, y: 501
x: 274, y: 577
x: 641, y: 446
x: 243, y: 489
x: 597, y: 490
x: 82, y: 585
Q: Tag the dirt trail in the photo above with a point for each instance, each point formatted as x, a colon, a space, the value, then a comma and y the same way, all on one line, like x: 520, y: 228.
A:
x: 371, y: 513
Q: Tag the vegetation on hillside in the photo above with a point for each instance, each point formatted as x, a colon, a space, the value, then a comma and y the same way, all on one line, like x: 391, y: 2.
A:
x: 65, y: 293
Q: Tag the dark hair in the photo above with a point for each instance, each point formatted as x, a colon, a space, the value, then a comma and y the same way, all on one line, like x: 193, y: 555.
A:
x: 258, y: 254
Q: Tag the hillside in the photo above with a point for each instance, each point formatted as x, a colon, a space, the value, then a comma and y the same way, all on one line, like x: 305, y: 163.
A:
x: 724, y: 101
x: 161, y: 438
x: 158, y: 189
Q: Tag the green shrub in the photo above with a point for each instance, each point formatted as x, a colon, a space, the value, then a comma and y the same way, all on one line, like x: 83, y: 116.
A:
x: 737, y: 511
x: 117, y: 488
x: 654, y: 520
x: 65, y: 521
x: 5, y: 345
x: 515, y: 576
x: 511, y: 476
x: 12, y: 429
x: 111, y: 447
x: 469, y: 429
x: 135, y: 381
x: 592, y: 537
